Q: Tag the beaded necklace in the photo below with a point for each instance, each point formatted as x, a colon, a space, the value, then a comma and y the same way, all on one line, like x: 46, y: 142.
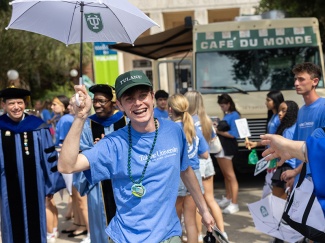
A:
x: 138, y: 189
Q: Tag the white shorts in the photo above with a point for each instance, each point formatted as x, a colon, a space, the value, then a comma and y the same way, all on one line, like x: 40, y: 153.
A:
x: 221, y: 154
x: 207, y: 168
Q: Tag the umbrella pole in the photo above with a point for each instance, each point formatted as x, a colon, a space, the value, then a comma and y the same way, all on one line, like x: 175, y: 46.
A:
x: 81, y: 39
x: 287, y: 191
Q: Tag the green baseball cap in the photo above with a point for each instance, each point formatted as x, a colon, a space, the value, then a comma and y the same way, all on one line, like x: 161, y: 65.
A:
x: 130, y: 79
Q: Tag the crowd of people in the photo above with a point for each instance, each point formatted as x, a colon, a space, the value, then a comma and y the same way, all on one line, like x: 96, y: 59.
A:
x: 126, y: 183
x: 296, y: 125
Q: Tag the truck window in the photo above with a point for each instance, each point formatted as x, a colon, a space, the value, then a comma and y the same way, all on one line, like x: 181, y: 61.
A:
x: 250, y: 70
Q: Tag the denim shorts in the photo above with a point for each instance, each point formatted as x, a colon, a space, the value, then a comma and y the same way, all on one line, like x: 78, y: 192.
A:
x: 207, y: 168
x: 182, y: 190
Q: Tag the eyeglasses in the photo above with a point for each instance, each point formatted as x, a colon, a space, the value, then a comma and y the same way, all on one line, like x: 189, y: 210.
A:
x: 101, y: 102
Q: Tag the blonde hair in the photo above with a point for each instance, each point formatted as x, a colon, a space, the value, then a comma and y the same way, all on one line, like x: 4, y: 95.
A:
x: 179, y: 105
x: 62, y: 101
x: 196, y: 107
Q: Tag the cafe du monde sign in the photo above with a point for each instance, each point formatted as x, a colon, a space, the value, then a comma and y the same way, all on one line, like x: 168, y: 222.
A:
x: 255, y: 39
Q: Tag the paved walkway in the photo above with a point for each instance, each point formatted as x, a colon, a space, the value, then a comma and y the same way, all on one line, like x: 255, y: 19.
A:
x: 239, y: 227
x: 61, y: 204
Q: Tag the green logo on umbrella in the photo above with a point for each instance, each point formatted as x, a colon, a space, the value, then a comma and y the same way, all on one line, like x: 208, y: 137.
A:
x: 94, y: 22
x: 264, y: 211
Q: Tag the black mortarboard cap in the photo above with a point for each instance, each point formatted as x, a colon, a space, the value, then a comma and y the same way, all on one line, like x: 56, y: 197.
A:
x: 12, y: 93
x: 103, y: 88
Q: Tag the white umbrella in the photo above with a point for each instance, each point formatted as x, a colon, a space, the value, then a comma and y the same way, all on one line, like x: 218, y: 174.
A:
x: 220, y: 235
x: 75, y: 21
x: 267, y: 217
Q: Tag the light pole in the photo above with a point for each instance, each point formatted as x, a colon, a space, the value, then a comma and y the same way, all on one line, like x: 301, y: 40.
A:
x: 12, y: 74
x: 73, y: 73
x: 13, y: 78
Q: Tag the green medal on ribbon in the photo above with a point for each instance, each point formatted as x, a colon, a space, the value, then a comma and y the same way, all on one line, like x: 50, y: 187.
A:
x: 137, y: 188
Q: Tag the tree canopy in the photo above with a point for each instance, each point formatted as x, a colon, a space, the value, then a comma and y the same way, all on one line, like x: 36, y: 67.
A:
x: 298, y: 8
x: 43, y: 63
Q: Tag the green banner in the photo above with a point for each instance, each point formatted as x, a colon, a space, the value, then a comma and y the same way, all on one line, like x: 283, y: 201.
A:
x: 105, y: 64
x: 255, y: 39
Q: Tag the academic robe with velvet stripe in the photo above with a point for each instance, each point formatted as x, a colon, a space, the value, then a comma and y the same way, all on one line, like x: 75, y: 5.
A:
x: 26, y: 179
x: 100, y: 198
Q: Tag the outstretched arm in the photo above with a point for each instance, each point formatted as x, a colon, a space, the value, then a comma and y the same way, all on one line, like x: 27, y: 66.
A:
x: 70, y: 160
x: 280, y: 147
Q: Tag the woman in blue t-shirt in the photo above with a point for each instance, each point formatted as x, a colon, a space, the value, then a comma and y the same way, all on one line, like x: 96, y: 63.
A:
x: 59, y: 108
x: 229, y: 143
x: 204, y: 123
x: 273, y: 100
x: 197, y: 147
x: 288, y: 112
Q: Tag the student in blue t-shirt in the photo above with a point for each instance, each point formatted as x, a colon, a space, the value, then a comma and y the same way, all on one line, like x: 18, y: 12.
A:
x: 312, y: 114
x: 288, y: 111
x: 204, y: 123
x: 160, y: 111
x: 144, y: 160
x: 273, y: 100
x: 224, y: 158
x: 197, y: 147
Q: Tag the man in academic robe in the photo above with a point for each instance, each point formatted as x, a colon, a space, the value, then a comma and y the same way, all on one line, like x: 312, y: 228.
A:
x: 101, y: 204
x: 28, y: 169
